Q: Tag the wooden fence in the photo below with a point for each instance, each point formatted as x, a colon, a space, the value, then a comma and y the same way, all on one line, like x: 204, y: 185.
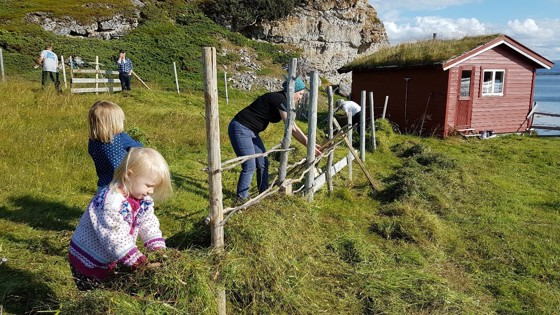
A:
x: 93, y: 80
x: 301, y: 172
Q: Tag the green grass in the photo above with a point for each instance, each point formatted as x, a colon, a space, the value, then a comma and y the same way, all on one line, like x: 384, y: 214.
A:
x: 458, y: 227
x: 425, y: 52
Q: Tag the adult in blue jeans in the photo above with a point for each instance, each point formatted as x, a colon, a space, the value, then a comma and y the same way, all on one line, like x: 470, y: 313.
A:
x: 244, y: 131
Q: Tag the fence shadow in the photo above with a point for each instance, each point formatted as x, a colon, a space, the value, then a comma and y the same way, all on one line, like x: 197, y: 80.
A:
x: 198, y: 236
x: 24, y: 292
x: 41, y: 213
x: 194, y: 186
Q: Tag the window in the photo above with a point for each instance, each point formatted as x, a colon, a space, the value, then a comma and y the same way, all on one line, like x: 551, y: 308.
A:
x: 493, y: 82
x: 465, y: 83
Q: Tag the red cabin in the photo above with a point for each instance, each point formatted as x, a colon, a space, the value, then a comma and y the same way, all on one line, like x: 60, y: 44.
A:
x: 443, y: 86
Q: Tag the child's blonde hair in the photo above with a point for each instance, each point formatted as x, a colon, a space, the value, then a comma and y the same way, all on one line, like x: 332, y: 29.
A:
x: 143, y: 161
x: 106, y: 119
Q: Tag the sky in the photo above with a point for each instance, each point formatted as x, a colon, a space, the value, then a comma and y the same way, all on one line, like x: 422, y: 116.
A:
x: 533, y: 23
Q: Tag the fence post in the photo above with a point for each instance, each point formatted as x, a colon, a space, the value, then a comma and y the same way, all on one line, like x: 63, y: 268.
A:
x: 63, y: 72
x: 328, y: 174
x: 225, y: 85
x: 96, y: 74
x: 2, y: 65
x: 311, y: 135
x: 214, y: 159
x: 290, y: 107
x: 363, y: 127
x: 372, y: 121
x: 351, y: 147
x: 385, y: 106
x: 176, y: 78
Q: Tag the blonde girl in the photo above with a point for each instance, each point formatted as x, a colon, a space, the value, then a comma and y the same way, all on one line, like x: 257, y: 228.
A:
x: 108, y: 143
x: 108, y: 230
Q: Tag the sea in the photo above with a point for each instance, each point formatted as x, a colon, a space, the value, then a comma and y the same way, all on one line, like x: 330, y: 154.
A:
x: 547, y: 97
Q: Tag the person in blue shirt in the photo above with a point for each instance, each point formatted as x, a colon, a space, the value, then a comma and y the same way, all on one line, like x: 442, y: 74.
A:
x: 124, y: 66
x: 108, y: 143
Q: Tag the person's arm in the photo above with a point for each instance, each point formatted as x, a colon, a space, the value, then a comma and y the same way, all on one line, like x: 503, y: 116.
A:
x: 128, y: 142
x: 38, y: 61
x: 298, y: 133
x: 150, y: 231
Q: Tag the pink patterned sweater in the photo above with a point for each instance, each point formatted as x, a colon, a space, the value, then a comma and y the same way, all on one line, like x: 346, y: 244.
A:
x: 108, y: 232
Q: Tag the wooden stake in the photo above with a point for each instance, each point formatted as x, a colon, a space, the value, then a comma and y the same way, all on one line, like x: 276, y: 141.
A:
x: 362, y: 166
x: 385, y: 106
x: 214, y: 161
x: 311, y: 135
x: 363, y: 127
x: 225, y: 85
x: 289, y: 123
x: 176, y: 78
x: 96, y: 74
x: 137, y: 77
x: 328, y: 174
x: 64, y: 72
x: 2, y: 65
x: 372, y: 121
x: 351, y: 152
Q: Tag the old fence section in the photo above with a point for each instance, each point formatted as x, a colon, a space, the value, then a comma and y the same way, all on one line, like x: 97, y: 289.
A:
x: 302, y: 172
x: 93, y: 80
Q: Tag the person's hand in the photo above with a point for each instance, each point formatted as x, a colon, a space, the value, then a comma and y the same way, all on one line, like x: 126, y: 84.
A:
x: 318, y: 150
x: 158, y: 256
x: 36, y: 66
x: 153, y: 265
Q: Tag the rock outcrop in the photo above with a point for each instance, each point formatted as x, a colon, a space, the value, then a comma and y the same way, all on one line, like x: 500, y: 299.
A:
x: 331, y: 33
x: 104, y: 28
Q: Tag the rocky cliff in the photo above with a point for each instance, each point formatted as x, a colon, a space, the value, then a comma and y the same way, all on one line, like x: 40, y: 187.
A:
x: 331, y: 34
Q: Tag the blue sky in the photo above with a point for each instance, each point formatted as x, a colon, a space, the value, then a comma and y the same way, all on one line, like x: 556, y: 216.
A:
x: 534, y: 23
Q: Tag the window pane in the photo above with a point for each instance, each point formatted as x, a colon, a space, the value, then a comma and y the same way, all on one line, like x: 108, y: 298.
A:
x: 499, y: 82
x: 465, y: 83
x: 487, y: 85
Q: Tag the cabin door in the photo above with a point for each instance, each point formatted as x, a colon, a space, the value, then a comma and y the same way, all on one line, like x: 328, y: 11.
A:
x: 464, y: 100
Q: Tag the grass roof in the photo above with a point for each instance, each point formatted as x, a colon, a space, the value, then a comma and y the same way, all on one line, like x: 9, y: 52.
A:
x: 419, y: 53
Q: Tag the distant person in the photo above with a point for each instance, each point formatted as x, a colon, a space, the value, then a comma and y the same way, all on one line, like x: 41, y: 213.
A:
x: 350, y: 107
x: 244, y: 136
x: 108, y: 143
x: 105, y: 240
x: 124, y: 65
x: 49, y: 60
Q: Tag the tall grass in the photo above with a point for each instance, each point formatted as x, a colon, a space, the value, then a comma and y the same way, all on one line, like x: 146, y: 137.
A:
x: 460, y: 227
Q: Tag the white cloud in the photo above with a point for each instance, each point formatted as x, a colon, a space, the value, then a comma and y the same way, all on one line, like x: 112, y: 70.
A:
x: 411, y: 5
x: 528, y: 27
x: 423, y: 28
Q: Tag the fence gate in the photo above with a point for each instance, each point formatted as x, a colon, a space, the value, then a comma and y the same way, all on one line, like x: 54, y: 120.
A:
x: 93, y: 80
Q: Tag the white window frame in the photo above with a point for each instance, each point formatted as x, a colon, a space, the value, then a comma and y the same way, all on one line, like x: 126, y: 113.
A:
x: 489, y: 88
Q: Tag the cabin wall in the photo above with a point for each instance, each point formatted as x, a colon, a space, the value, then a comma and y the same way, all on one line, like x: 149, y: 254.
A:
x: 423, y: 105
x: 502, y: 114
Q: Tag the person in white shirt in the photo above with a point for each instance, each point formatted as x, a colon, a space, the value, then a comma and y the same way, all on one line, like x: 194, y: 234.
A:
x: 50, y: 67
x: 349, y: 107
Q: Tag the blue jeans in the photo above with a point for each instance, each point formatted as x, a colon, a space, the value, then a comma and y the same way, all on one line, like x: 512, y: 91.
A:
x: 246, y: 142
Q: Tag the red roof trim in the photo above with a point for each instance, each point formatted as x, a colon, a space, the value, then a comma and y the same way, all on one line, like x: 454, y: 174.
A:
x: 502, y: 40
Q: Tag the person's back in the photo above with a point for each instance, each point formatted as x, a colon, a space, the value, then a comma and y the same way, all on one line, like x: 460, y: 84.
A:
x: 50, y: 60
x: 108, y: 143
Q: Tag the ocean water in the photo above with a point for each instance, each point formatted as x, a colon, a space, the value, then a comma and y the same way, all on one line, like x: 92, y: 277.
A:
x: 547, y: 96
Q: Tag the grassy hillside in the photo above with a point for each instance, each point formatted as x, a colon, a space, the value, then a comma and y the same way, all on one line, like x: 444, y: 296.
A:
x: 459, y: 227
